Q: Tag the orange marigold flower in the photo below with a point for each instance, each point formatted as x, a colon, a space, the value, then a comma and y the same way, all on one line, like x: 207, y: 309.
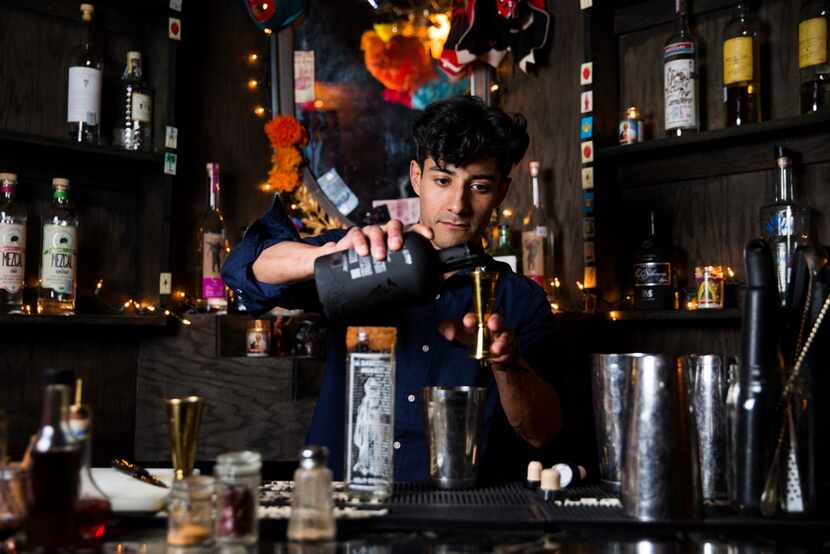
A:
x: 283, y: 181
x: 286, y: 158
x: 284, y: 130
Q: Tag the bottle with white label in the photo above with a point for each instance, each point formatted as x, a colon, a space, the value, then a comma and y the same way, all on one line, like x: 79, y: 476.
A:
x: 814, y: 56
x: 211, y: 247
x: 537, y: 237
x: 83, y: 105
x: 680, y: 77
x: 134, y: 124
x: 12, y: 246
x: 59, y: 254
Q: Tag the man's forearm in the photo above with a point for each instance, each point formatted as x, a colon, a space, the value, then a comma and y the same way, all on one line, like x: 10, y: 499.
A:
x: 288, y: 262
x: 530, y: 403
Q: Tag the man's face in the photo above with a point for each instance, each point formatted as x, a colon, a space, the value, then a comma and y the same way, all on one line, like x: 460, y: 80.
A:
x: 456, y: 201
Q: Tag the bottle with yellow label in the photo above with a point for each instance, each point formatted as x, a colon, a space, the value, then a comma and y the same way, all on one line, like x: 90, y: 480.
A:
x: 813, y: 58
x: 741, y: 68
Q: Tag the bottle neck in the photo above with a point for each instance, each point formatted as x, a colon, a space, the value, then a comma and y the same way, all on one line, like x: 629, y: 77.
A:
x: 741, y: 11
x: 52, y: 433
x: 459, y: 257
x: 652, y: 226
x: 784, y: 190
x: 60, y: 198
x: 7, y: 193
x: 682, y: 16
x: 504, y: 237
x: 213, y: 186
x: 534, y: 182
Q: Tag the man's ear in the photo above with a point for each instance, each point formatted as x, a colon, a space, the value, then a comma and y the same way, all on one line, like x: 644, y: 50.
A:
x: 415, y: 176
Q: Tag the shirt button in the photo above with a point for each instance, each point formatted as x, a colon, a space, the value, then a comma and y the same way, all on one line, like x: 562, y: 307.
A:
x: 396, y: 445
x: 425, y: 348
x: 411, y: 398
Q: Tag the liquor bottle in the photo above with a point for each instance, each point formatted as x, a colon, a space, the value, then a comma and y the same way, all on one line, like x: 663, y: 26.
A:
x: 350, y: 286
x: 680, y: 77
x: 537, y: 237
x: 134, y: 127
x: 504, y: 251
x: 813, y: 58
x: 83, y: 112
x: 741, y: 68
x: 12, y: 246
x: 654, y: 280
x: 212, y: 246
x: 59, y: 254
x: 55, y: 472
x: 784, y: 223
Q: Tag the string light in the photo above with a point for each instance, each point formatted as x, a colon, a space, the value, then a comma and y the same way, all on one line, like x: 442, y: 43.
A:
x: 507, y: 212
x: 264, y: 187
x: 253, y: 57
x: 319, y: 104
x: 253, y: 84
x: 259, y: 111
x: 614, y: 315
x: 494, y: 87
x: 730, y: 272
x: 267, y: 31
x: 579, y: 285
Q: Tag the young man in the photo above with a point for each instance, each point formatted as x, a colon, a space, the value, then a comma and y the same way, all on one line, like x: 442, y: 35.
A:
x: 464, y: 153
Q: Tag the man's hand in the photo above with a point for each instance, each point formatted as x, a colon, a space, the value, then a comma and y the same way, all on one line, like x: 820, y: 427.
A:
x: 504, y: 349
x: 376, y: 239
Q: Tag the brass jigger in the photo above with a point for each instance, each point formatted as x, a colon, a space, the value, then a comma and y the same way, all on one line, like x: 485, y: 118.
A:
x: 184, y: 415
x: 484, y: 296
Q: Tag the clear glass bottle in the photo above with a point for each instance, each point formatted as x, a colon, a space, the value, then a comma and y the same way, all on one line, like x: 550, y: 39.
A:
x: 191, y: 512
x: 504, y: 251
x: 238, y: 479
x: 785, y: 224
x: 134, y: 126
x: 312, y: 507
x: 211, y: 247
x: 12, y: 246
x: 83, y: 105
x: 537, y: 237
x: 741, y: 68
x: 55, y: 473
x: 680, y: 77
x: 94, y: 509
x: 813, y: 57
x: 59, y: 254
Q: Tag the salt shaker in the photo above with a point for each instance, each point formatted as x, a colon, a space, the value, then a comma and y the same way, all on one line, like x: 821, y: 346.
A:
x: 312, y: 508
x: 238, y: 479
x: 191, y: 512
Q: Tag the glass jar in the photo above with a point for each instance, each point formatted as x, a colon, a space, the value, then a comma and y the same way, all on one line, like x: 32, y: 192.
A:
x: 258, y: 338
x: 312, y: 507
x: 631, y: 126
x: 238, y: 479
x: 709, y: 286
x: 191, y: 512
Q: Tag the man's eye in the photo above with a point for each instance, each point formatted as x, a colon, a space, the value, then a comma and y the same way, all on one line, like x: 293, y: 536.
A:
x: 442, y: 181
x: 481, y: 187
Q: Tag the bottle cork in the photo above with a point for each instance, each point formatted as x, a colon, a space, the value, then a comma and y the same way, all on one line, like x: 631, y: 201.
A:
x: 550, y: 483
x: 534, y: 474
x: 534, y: 168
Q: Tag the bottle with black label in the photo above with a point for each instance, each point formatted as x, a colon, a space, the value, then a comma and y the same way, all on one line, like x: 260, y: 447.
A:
x: 351, y: 286
x: 654, y: 281
x: 680, y: 77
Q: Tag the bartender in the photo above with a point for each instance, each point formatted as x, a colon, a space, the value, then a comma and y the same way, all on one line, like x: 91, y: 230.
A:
x: 464, y: 152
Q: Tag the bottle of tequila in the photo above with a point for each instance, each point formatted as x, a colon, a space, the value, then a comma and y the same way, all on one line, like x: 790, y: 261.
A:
x: 134, y: 126
x: 59, y: 254
x: 784, y: 223
x: 741, y: 68
x: 211, y: 246
x: 12, y: 246
x: 83, y: 106
x: 680, y: 77
x: 813, y: 57
x: 537, y: 237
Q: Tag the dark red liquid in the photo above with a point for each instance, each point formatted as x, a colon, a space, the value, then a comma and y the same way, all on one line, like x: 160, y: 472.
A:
x: 91, y: 517
x: 8, y: 527
x: 55, y: 478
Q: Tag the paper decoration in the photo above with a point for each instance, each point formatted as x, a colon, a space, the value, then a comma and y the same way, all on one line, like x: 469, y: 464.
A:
x: 170, y: 161
x: 586, y: 73
x: 176, y: 5
x: 587, y: 178
x: 587, y: 102
x: 588, y: 202
x: 586, y: 150
x: 588, y: 252
x: 590, y: 277
x: 407, y: 210
x: 171, y: 138
x: 165, y: 283
x: 585, y: 4
x: 174, y: 28
x: 587, y: 228
x: 304, y: 76
x: 586, y: 127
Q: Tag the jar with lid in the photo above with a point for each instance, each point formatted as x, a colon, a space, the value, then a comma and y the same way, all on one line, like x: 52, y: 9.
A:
x: 238, y: 479
x: 312, y: 507
x: 191, y: 512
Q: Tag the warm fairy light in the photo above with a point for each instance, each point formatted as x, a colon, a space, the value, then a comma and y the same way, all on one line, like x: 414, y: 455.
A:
x: 127, y: 303
x: 691, y: 305
x: 556, y: 282
x: 579, y: 285
x: 294, y: 206
x: 554, y: 307
x: 267, y: 31
x: 730, y: 272
x: 264, y: 6
x: 167, y: 312
x: 252, y: 84
x: 99, y: 284
x: 39, y: 309
x: 264, y: 187
x: 253, y: 57
x: 494, y: 87
x: 185, y: 322
x: 259, y: 111
x: 319, y: 104
x: 507, y: 212
x: 180, y: 293
x: 613, y: 315
x: 150, y: 308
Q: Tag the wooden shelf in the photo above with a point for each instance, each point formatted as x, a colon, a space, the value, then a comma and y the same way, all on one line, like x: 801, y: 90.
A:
x: 731, y: 315
x: 85, y: 320
x: 54, y: 146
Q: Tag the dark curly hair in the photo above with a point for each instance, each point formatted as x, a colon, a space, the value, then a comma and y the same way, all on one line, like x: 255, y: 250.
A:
x: 463, y: 129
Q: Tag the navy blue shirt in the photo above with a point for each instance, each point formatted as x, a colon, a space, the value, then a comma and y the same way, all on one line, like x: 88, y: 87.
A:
x: 423, y: 356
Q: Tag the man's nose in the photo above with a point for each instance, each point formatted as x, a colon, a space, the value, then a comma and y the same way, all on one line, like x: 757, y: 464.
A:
x: 460, y: 200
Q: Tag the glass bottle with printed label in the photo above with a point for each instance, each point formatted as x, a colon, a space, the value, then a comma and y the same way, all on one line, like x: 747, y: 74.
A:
x: 654, y: 276
x: 211, y: 246
x: 813, y: 57
x: 134, y: 126
x: 59, y: 254
x: 784, y: 223
x: 504, y: 251
x: 12, y: 246
x: 537, y: 236
x: 741, y: 68
x: 83, y: 106
x: 680, y: 77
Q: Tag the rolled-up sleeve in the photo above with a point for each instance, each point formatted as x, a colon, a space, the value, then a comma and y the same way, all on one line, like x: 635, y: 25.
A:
x: 272, y: 228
